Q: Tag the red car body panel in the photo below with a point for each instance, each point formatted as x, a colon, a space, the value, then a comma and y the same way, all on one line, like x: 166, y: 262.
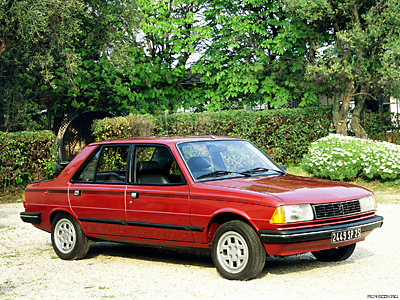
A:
x: 187, y: 215
x: 164, y: 205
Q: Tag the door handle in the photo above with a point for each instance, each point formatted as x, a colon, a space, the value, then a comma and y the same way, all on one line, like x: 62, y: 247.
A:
x: 77, y: 193
x: 134, y: 195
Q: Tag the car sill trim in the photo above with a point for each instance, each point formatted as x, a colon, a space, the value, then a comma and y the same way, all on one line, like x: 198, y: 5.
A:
x: 142, y: 224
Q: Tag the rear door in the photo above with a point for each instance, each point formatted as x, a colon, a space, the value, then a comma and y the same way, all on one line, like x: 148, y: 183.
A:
x: 97, y: 191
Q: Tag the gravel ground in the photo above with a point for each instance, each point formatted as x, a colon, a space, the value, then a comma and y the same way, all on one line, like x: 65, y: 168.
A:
x: 30, y: 269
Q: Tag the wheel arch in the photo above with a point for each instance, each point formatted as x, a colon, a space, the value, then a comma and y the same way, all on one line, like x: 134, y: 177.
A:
x: 57, y: 211
x: 222, y: 217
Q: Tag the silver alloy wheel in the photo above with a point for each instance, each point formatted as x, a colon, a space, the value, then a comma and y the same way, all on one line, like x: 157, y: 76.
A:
x: 65, y: 236
x: 232, y: 252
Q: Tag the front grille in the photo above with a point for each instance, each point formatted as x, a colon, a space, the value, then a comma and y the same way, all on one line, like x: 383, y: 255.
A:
x: 338, y: 209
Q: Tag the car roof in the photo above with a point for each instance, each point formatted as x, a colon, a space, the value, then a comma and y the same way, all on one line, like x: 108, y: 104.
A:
x: 165, y: 139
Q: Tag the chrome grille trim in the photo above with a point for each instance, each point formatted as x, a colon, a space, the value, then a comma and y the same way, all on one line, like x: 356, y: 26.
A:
x: 336, y: 209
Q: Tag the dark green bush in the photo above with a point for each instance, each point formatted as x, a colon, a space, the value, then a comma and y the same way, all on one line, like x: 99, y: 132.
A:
x: 285, y: 134
x: 123, y: 127
x: 24, y: 156
x: 381, y: 126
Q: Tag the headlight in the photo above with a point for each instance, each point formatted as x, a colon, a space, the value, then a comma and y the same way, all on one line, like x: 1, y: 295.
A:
x: 292, y: 213
x: 367, y: 203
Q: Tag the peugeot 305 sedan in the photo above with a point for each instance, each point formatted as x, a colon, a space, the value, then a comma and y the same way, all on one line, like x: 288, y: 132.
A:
x: 219, y: 195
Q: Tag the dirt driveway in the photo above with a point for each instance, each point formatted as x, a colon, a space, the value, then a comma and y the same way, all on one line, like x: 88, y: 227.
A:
x: 29, y: 269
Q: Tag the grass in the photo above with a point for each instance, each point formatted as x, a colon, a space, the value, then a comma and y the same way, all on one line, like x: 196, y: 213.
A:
x: 386, y: 192
x: 11, y: 196
x: 6, y: 287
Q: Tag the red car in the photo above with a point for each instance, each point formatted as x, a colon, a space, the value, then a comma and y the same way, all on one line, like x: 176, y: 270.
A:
x: 221, y: 195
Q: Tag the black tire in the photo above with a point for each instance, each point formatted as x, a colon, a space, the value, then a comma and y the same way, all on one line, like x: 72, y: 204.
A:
x: 237, y: 251
x: 68, y: 239
x: 335, y: 254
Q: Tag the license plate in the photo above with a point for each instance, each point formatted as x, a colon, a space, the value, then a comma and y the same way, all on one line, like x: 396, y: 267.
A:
x: 346, y: 235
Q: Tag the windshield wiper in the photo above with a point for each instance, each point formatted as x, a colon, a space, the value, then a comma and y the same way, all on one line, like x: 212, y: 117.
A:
x: 258, y: 170
x: 246, y: 173
x: 222, y: 173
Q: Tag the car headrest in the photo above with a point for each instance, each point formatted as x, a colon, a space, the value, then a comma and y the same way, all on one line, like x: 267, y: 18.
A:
x: 148, y: 167
x: 198, y: 163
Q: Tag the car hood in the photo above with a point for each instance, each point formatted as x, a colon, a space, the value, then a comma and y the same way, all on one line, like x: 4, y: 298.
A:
x: 295, y: 189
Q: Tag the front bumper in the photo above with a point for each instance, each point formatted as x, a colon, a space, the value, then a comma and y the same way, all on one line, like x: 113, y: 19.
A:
x: 30, y: 217
x: 315, y: 234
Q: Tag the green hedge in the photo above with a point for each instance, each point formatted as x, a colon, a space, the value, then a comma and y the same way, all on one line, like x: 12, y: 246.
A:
x: 381, y: 126
x: 123, y: 127
x: 285, y: 134
x: 24, y: 156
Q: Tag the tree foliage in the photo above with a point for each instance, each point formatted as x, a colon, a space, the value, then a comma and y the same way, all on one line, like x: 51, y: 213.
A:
x: 361, y: 57
x: 96, y: 83
x: 62, y: 56
x: 140, y: 56
x: 256, y: 55
x: 36, y: 40
x: 168, y: 35
x: 111, y: 55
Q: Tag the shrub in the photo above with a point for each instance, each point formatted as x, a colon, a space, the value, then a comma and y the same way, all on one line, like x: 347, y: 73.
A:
x: 24, y: 156
x: 344, y: 158
x: 285, y: 134
x: 381, y: 126
x: 123, y: 127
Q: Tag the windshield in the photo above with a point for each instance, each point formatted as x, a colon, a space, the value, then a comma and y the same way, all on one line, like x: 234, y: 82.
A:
x: 208, y: 160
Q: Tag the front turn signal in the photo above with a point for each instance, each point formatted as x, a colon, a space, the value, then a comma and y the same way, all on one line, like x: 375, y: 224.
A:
x: 279, y: 216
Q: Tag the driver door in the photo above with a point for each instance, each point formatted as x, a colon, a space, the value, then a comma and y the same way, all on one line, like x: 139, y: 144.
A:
x: 157, y: 202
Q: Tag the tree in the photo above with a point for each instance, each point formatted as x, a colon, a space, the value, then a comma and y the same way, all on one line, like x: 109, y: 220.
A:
x: 256, y: 55
x: 361, y: 57
x: 58, y: 55
x: 112, y: 55
x: 35, y: 41
x: 169, y: 35
x: 100, y: 43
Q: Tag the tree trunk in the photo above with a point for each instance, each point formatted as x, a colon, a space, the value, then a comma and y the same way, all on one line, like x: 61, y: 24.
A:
x: 336, y: 109
x: 341, y: 125
x: 355, y: 119
x: 3, y: 47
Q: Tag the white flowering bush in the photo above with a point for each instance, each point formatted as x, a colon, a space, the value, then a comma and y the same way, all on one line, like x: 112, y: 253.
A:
x: 344, y: 158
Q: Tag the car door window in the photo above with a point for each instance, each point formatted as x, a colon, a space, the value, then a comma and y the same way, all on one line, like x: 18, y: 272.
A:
x: 89, y: 172
x: 112, y: 164
x: 156, y: 165
x: 108, y: 165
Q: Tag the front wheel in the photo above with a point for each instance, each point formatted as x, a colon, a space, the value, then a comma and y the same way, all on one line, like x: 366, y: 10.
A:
x: 237, y: 251
x: 68, y: 239
x: 335, y: 254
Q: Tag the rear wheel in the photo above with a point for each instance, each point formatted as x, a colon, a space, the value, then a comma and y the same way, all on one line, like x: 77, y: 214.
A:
x: 68, y: 239
x: 335, y: 254
x: 237, y: 251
